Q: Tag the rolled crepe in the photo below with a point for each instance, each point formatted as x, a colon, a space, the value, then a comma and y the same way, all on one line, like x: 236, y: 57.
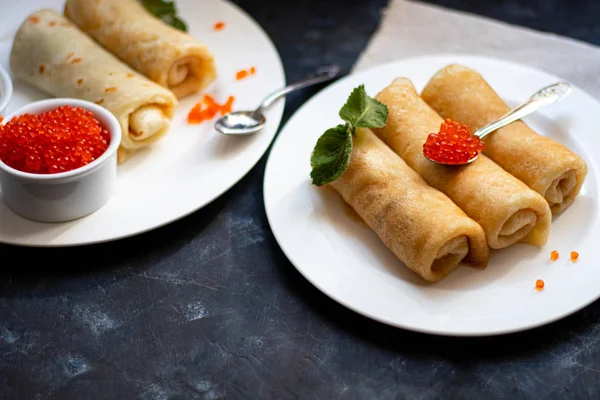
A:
x: 543, y: 164
x: 505, y: 207
x: 166, y: 55
x: 52, y: 54
x: 419, y: 224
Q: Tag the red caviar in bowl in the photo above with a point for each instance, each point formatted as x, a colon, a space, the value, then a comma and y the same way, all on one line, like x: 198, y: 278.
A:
x: 574, y: 256
x: 554, y: 255
x: 59, y: 140
x: 453, y: 144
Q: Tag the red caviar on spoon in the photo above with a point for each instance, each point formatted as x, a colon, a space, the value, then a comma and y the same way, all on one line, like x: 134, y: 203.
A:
x: 453, y: 144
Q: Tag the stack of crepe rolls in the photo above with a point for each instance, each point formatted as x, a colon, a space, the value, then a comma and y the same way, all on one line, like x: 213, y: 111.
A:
x: 166, y: 55
x: 507, y: 210
x: 52, y: 54
x: 543, y: 164
x: 418, y: 223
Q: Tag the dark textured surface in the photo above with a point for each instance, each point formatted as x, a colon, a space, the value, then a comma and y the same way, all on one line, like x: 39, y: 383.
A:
x: 208, y: 307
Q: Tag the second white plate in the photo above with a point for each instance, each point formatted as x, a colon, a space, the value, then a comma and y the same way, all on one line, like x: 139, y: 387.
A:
x: 193, y: 164
x: 351, y: 265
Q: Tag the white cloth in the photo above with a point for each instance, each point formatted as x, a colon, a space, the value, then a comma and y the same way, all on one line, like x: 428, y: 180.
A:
x: 409, y: 29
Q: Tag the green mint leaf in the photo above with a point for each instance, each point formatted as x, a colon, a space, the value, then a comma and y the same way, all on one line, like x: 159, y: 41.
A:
x: 179, y: 24
x: 165, y: 10
x: 160, y: 8
x: 331, y: 155
x: 362, y: 111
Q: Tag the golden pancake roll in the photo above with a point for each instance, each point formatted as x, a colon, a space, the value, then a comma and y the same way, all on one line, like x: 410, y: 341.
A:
x: 164, y: 54
x: 543, y: 164
x: 418, y: 223
x: 507, y: 210
x: 52, y: 54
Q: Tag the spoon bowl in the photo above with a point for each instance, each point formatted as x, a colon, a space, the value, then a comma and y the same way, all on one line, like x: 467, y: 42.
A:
x: 240, y: 123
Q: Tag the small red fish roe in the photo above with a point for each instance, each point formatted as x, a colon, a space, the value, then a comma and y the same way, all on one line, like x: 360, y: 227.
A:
x: 554, y: 255
x: 574, y: 256
x: 208, y: 108
x: 539, y: 284
x: 1, y: 119
x: 241, y: 74
x: 453, y: 144
x: 244, y: 73
x: 59, y: 140
x: 219, y: 26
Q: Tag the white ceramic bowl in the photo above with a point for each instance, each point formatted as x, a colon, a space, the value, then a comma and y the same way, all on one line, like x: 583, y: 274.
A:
x: 6, y: 88
x: 67, y: 195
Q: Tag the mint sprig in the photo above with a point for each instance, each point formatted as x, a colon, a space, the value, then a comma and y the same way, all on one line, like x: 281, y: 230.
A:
x: 165, y: 10
x: 331, y: 155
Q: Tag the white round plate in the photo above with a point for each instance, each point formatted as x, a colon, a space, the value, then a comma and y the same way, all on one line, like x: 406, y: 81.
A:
x: 6, y: 88
x: 193, y: 164
x: 351, y: 265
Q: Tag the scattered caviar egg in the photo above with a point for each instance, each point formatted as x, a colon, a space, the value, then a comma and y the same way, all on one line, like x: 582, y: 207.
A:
x: 241, y: 74
x: 539, y: 284
x: 574, y: 256
x: 554, y: 255
x: 226, y: 109
x: 208, y: 108
x: 244, y: 73
x: 58, y: 140
x: 219, y: 26
x: 453, y: 144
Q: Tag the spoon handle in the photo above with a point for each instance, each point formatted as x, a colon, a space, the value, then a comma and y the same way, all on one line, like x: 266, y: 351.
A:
x: 323, y: 74
x: 543, y: 97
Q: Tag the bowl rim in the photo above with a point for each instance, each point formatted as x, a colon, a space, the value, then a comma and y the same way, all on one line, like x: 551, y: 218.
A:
x: 36, y: 107
x: 6, y: 88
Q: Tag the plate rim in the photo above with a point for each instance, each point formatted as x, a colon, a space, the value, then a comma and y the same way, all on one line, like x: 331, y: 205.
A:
x: 275, y: 120
x: 344, y: 303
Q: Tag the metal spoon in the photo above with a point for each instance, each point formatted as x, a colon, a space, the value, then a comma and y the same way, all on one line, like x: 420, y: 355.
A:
x: 543, y: 97
x: 249, y: 122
